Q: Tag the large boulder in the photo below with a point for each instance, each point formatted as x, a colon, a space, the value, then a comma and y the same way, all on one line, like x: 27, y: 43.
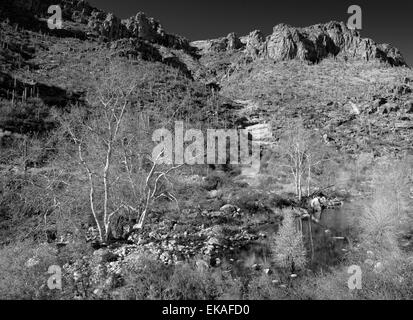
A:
x: 140, y: 26
x: 317, y: 42
x: 254, y: 43
x: 112, y: 28
x: 233, y: 42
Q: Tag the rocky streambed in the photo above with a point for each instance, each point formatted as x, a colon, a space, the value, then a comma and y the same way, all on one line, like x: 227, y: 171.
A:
x: 228, y: 238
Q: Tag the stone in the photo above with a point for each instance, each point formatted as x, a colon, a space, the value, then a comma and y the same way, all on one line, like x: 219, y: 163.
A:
x: 378, y: 267
x: 369, y: 262
x: 256, y: 267
x: 255, y: 43
x: 409, y: 107
x: 233, y: 42
x: 165, y: 257
x: 389, y: 108
x: 98, y: 292
x: 202, y: 266
x: 213, y: 241
x: 213, y: 194
x: 229, y: 209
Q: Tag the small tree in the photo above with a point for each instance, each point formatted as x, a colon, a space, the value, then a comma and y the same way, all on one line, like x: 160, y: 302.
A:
x: 288, y: 248
x: 110, y: 150
x: 301, y: 150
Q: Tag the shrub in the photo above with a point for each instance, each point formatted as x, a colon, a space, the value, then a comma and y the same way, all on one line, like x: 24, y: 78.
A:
x: 261, y: 288
x: 288, y: 248
x: 146, y: 278
x: 382, y: 221
x: 395, y: 282
x: 23, y: 269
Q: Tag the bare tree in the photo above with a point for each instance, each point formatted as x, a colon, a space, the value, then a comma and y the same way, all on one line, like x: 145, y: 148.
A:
x: 102, y: 139
x: 152, y: 188
x: 301, y: 150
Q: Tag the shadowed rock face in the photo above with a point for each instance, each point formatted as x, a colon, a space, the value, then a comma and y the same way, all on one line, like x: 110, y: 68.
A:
x: 311, y: 44
x: 289, y: 43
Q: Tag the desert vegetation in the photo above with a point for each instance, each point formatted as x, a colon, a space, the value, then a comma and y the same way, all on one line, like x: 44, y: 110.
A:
x: 82, y: 191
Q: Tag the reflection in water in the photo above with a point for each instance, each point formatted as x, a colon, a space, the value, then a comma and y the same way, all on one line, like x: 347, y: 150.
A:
x: 331, y: 237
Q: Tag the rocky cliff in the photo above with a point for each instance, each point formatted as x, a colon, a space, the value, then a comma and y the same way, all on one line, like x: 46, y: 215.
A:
x: 99, y: 23
x: 311, y: 44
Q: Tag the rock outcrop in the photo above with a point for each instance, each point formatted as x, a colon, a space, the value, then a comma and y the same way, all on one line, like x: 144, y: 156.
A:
x: 312, y: 44
x: 105, y: 25
x: 254, y: 43
x: 138, y: 27
x: 228, y: 43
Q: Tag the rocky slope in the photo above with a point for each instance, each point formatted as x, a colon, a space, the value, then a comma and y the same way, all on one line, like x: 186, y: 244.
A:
x: 270, y: 74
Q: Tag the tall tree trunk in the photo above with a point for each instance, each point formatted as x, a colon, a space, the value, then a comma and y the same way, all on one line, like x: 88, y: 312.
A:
x: 309, y: 178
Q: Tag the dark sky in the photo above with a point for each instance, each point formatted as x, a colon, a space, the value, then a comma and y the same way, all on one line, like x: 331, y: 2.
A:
x: 383, y: 21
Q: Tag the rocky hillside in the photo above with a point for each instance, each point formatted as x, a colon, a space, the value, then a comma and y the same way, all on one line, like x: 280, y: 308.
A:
x: 280, y: 75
